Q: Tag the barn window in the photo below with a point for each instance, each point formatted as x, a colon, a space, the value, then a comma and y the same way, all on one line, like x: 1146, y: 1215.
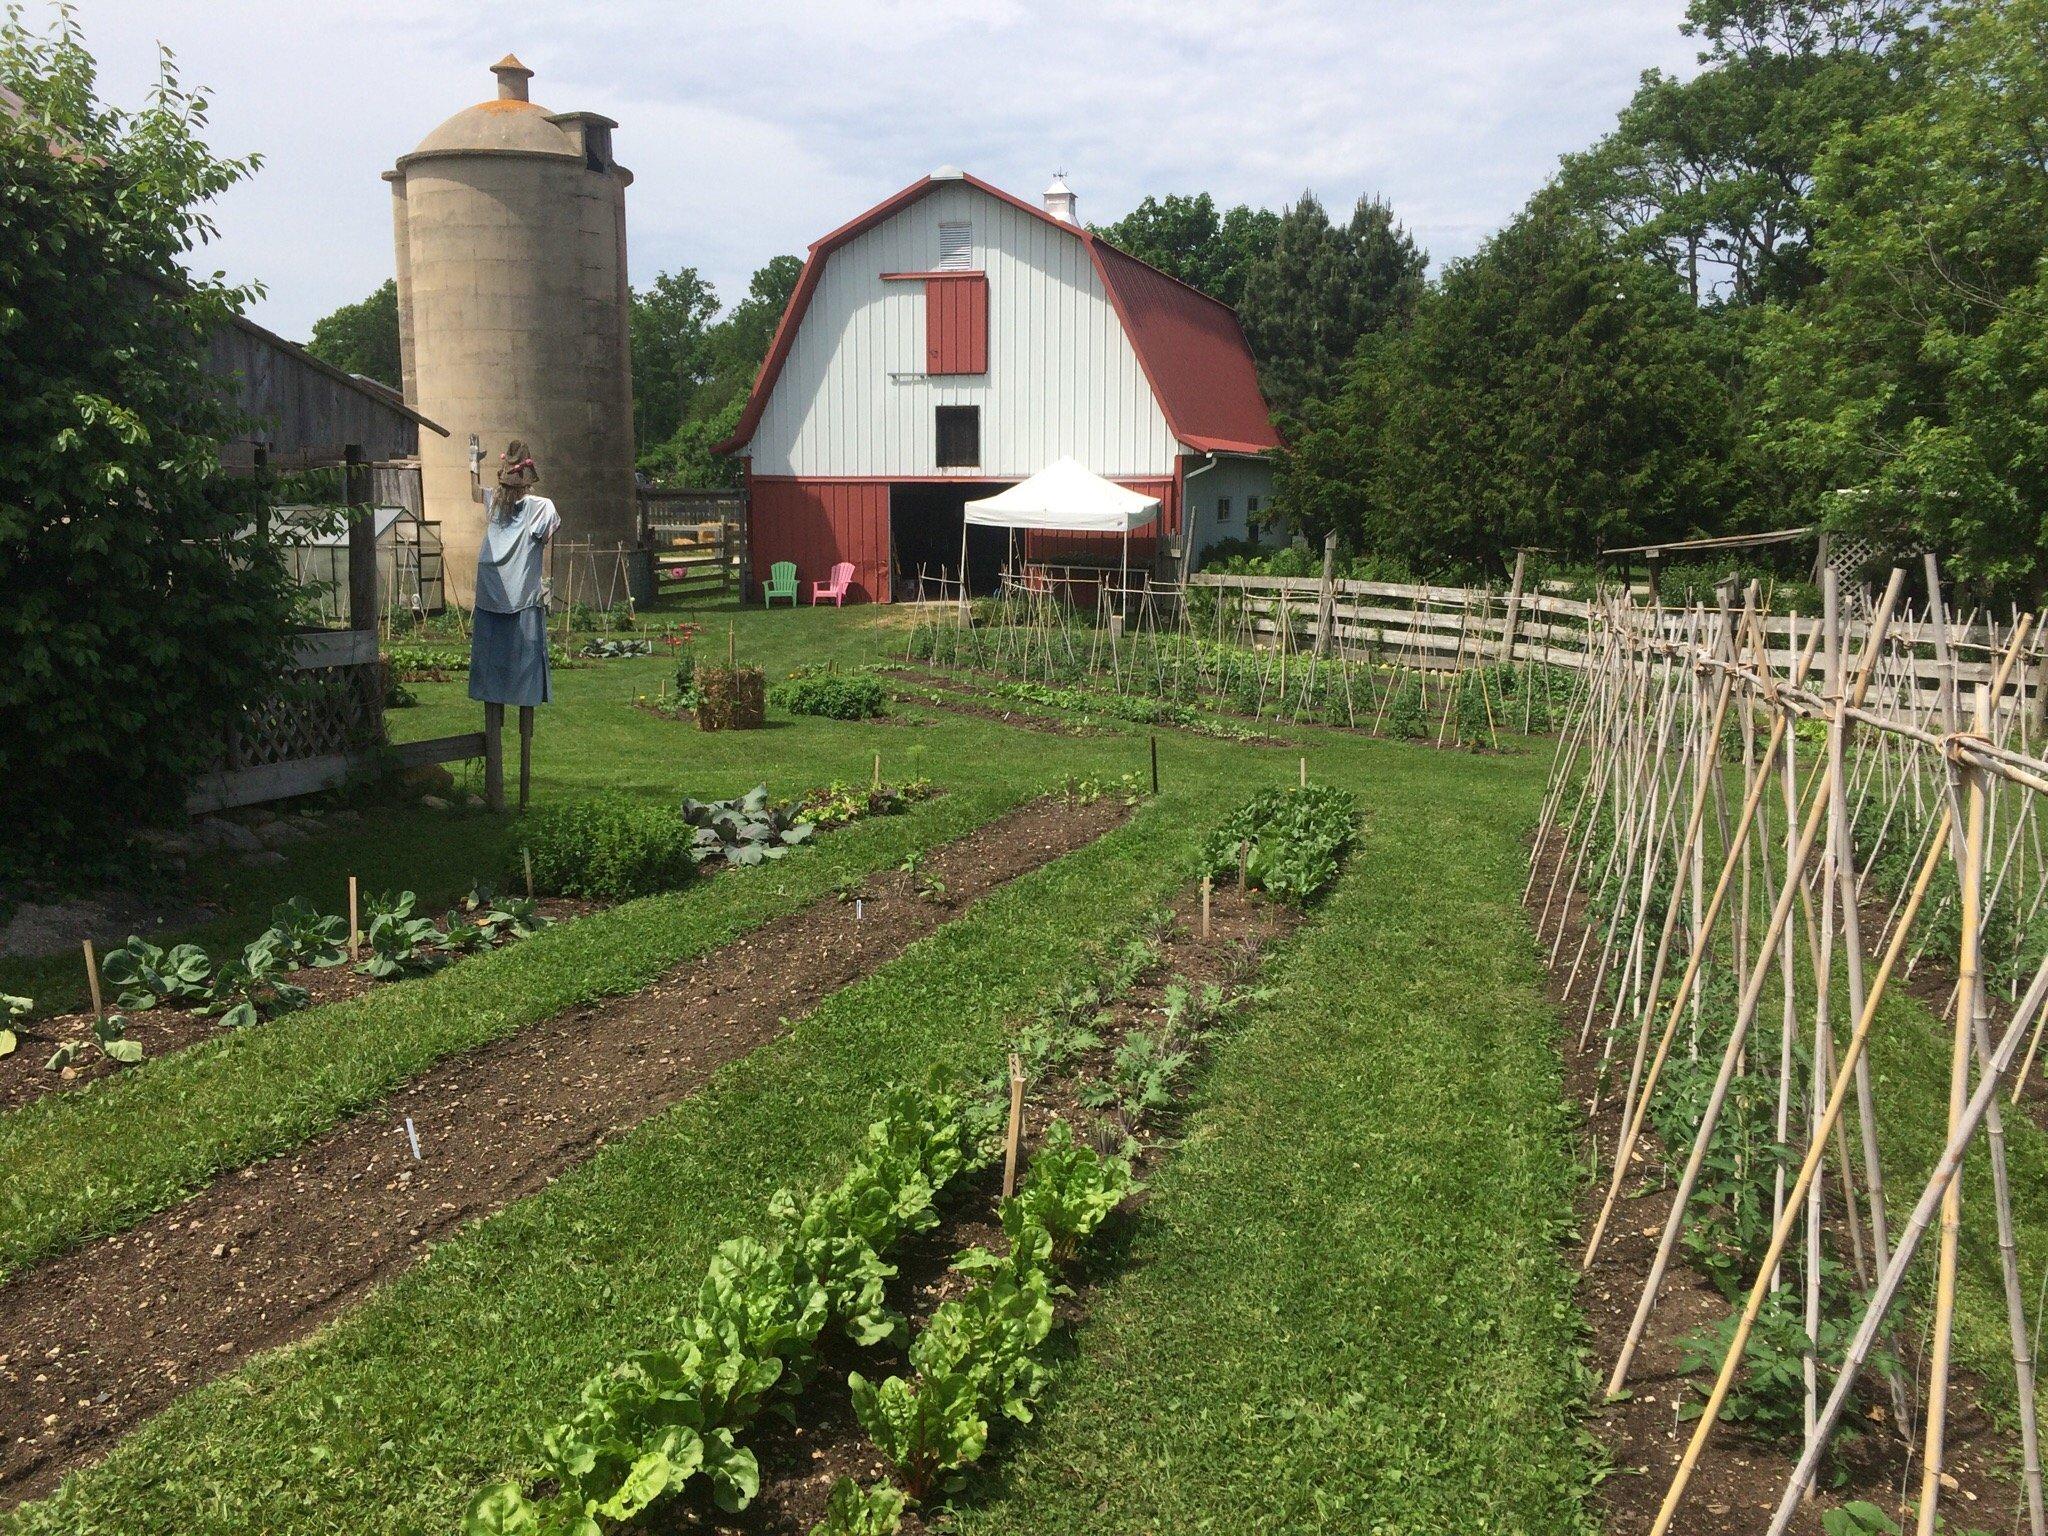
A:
x: 956, y: 246
x: 959, y: 436
x: 1222, y: 509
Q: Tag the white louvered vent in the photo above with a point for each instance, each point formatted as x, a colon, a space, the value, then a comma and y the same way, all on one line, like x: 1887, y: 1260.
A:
x: 956, y: 246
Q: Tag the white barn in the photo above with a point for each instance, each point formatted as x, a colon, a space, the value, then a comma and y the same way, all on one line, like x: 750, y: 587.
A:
x: 955, y: 339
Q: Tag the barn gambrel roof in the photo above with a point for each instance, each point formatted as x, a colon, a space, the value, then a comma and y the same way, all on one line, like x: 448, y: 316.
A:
x: 1191, y: 346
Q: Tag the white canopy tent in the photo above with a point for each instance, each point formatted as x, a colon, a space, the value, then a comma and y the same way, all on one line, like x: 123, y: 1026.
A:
x: 1064, y: 497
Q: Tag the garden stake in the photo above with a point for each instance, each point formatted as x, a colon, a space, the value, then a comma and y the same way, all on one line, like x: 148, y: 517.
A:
x: 878, y: 770
x: 526, y: 859
x: 1155, y: 764
x: 355, y: 927
x: 92, y: 981
x: 1014, y: 1135
x: 1205, y: 907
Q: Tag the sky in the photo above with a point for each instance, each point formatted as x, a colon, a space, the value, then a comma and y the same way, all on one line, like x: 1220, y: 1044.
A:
x: 754, y: 128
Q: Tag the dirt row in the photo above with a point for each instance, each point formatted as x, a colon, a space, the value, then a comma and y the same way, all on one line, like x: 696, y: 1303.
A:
x: 801, y: 1459
x: 1740, y: 1477
x: 95, y: 1341
x: 24, y: 1076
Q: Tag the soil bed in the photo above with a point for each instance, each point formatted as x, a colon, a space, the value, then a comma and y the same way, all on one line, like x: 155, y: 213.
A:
x: 95, y: 1341
x: 1739, y: 1479
x: 800, y: 1461
x: 163, y: 1031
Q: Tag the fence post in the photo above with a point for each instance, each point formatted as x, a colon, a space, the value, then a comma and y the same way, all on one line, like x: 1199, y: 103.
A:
x: 362, y: 542
x: 1326, y: 603
x: 1507, y: 639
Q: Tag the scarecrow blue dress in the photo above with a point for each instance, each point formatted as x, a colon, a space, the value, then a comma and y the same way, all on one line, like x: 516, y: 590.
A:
x: 508, y: 647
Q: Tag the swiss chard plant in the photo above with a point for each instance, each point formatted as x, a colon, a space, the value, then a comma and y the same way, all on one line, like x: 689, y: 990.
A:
x: 929, y: 1429
x: 851, y: 1510
x: 1287, y: 841
x: 145, y: 976
x: 1071, y: 1191
x: 744, y: 831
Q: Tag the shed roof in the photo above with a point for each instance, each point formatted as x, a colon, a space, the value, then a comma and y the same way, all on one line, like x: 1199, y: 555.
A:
x: 1191, y: 346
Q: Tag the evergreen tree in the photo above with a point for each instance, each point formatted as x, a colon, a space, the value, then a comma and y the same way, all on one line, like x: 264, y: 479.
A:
x: 1320, y: 288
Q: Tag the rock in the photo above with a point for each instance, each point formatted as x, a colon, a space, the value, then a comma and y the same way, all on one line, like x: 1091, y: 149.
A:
x: 347, y: 817
x: 433, y: 802
x: 219, y: 832
x: 473, y: 801
x: 278, y: 834
x: 262, y: 858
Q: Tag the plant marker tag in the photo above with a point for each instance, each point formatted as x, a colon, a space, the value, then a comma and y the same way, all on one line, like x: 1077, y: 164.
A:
x: 92, y: 980
x: 858, y: 907
x: 1014, y: 1135
x: 412, y: 1136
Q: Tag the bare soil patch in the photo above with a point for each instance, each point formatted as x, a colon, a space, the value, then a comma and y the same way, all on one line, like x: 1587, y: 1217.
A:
x: 93, y: 1342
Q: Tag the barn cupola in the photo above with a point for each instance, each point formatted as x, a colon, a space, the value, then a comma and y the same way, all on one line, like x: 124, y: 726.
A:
x: 1059, y: 199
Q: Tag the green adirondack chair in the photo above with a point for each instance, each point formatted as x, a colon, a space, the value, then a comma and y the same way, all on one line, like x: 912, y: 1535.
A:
x: 781, y: 583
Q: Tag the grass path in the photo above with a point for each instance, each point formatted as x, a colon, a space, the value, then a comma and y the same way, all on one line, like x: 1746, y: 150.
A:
x: 1345, y: 1309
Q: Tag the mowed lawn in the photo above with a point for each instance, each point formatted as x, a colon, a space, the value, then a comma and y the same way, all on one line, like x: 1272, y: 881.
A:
x: 1343, y: 1309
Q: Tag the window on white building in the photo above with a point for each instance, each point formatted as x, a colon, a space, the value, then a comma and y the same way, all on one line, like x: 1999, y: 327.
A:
x: 1222, y: 509
x: 959, y: 434
x: 956, y: 246
x: 1251, y: 507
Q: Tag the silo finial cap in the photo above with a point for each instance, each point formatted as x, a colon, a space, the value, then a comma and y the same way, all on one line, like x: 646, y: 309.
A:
x: 512, y: 77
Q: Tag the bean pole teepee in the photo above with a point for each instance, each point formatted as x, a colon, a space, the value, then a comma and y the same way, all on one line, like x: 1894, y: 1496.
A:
x: 1754, y: 806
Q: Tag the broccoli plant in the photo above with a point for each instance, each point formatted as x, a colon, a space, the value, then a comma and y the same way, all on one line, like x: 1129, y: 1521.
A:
x: 397, y: 942
x: 303, y: 936
x: 12, y: 1009
x: 744, y: 831
x: 109, y: 1035
x: 251, y: 986
x: 146, y: 975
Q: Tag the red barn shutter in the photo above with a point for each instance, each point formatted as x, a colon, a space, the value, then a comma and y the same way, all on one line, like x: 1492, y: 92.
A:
x: 956, y: 323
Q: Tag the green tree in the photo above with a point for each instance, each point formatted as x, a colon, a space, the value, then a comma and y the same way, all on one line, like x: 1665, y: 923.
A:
x: 1309, y: 299
x: 1550, y: 390
x: 730, y: 355
x: 1905, y: 396
x: 670, y: 360
x: 141, y: 617
x: 1185, y: 236
x: 362, y: 337
x: 1712, y: 175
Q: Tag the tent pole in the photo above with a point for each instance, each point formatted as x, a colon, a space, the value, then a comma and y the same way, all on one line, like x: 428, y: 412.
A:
x: 963, y: 570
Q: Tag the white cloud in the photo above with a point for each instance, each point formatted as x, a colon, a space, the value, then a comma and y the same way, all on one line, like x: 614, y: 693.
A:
x: 752, y: 129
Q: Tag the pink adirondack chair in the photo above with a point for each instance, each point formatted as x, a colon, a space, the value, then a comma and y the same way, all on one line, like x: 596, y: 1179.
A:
x: 834, y: 588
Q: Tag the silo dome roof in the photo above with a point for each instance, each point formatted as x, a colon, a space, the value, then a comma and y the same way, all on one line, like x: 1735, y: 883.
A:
x: 508, y: 123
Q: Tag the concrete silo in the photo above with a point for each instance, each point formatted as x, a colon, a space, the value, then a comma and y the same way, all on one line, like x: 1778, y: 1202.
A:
x: 513, y: 318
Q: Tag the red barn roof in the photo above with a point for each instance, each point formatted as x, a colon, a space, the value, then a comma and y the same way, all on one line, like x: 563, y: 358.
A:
x: 1190, y: 345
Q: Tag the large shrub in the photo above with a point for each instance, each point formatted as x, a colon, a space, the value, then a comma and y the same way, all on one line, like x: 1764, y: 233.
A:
x: 605, y: 850
x: 138, y: 616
